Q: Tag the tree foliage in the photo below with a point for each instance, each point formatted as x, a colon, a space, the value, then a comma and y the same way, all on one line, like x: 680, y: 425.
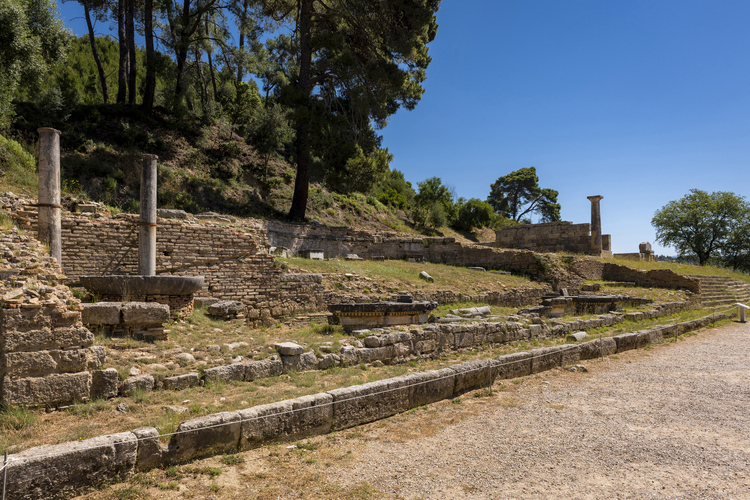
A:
x: 704, y: 225
x: 32, y: 38
x: 518, y: 196
x: 473, y: 214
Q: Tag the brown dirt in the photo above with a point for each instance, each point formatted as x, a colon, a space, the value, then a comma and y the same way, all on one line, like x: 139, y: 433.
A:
x: 669, y: 422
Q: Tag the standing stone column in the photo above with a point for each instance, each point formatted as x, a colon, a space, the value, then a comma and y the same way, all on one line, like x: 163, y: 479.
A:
x: 147, y: 233
x: 49, y: 192
x: 596, y: 223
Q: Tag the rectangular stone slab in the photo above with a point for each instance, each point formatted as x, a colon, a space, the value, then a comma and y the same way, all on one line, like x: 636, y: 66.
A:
x: 429, y: 387
x: 55, y: 389
x: 45, y: 338
x: 361, y: 404
x: 472, y: 375
x: 203, y: 436
x: 60, y: 470
x: 293, y: 418
x: 512, y: 365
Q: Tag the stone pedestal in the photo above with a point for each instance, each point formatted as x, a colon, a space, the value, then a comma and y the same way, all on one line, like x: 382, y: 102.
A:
x: 147, y: 232
x: 596, y: 222
x: 49, y: 191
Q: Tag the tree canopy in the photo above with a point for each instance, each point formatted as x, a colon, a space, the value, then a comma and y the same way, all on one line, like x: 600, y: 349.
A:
x: 705, y: 225
x: 517, y: 196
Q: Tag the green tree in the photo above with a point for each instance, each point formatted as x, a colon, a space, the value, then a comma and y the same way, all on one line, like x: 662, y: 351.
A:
x: 472, y: 214
x: 518, y: 195
x: 269, y: 131
x: 359, y: 61
x: 433, y: 204
x: 394, y: 190
x: 735, y: 249
x: 32, y: 38
x: 699, y: 223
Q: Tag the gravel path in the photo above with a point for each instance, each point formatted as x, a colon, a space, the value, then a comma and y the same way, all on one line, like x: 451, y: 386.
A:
x: 672, y: 422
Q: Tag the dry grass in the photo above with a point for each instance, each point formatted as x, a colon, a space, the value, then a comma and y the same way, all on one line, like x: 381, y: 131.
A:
x: 679, y: 268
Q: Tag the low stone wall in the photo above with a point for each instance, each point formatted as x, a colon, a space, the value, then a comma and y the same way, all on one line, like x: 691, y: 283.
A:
x: 663, y: 278
x: 59, y: 471
x: 547, y: 237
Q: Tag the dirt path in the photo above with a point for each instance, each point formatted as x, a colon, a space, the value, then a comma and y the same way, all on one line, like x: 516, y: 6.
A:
x: 671, y: 422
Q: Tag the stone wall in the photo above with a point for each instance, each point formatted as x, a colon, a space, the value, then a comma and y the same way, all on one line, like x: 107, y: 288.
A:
x: 233, y: 259
x: 547, y: 237
x: 61, y: 470
x: 47, y: 357
x: 663, y: 278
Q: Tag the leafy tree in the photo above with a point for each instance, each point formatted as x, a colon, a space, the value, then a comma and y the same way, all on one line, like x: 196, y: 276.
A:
x: 394, y: 190
x: 357, y: 60
x: 735, y: 249
x: 473, y: 213
x: 32, y: 38
x: 518, y: 195
x: 433, y: 204
x: 269, y: 131
x: 699, y: 223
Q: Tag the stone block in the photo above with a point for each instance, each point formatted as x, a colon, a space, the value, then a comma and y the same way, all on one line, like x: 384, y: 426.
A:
x: 203, y: 436
x: 429, y: 387
x: 571, y: 354
x: 302, y: 362
x: 597, y: 348
x: 181, y: 382
x: 226, y: 309
x: 131, y: 384
x: 102, y: 313
x: 104, y: 383
x: 59, y: 471
x: 271, y: 367
x: 145, y: 313
x: 290, y: 419
x: 576, y: 337
x: 545, y: 359
x: 226, y: 373
x: 368, y: 355
x: 46, y: 339
x: 41, y: 363
x: 288, y: 348
x: 150, y: 450
x: 512, y: 365
x: 361, y: 404
x: 472, y: 375
x: 372, y: 341
x: 55, y: 389
x: 626, y: 341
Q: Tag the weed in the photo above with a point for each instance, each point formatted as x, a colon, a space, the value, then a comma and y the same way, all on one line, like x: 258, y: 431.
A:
x: 214, y: 488
x: 456, y: 401
x: 232, y: 459
x: 128, y: 493
x: 211, y: 471
x: 173, y: 472
x: 16, y: 418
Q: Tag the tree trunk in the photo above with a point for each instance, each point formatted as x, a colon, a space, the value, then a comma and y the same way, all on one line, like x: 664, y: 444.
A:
x: 211, y: 63
x: 148, y: 23
x: 132, y: 68
x: 204, y: 84
x: 95, y: 53
x: 240, y: 66
x: 181, y: 52
x: 302, y: 181
x: 122, y: 70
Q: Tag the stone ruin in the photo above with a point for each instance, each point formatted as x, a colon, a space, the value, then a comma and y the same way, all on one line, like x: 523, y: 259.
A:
x: 403, y: 311
x: 586, y: 239
x: 644, y: 253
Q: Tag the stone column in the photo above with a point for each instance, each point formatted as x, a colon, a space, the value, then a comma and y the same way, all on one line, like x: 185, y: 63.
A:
x: 596, y: 223
x: 147, y: 233
x: 49, y: 191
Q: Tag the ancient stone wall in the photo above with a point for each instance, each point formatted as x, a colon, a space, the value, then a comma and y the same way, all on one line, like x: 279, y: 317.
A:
x: 233, y: 259
x: 547, y: 237
x: 663, y: 278
x: 47, y: 357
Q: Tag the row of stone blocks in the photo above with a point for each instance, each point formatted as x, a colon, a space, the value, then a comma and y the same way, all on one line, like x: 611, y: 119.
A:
x: 57, y: 471
x: 392, y: 348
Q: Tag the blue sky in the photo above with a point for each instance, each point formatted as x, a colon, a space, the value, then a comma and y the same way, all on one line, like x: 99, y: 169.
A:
x: 637, y: 101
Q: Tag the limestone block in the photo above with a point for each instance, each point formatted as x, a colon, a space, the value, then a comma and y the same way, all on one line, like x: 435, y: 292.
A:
x: 571, y: 354
x: 361, y: 404
x: 425, y: 346
x: 202, y: 436
x: 226, y: 373
x: 102, y: 313
x: 326, y: 362
x: 45, y: 338
x: 463, y: 339
x: 348, y: 355
x: 181, y: 382
x: 291, y: 419
x: 130, y: 384
x: 145, y: 313
x: 545, y: 359
x: 368, y: 355
x: 472, y: 375
x: 104, y: 383
x: 302, y: 362
x: 150, y: 450
x: 626, y: 341
x: 429, y: 387
x: 55, y: 389
x: 226, y: 308
x: 288, y: 348
x: 577, y: 337
x: 271, y: 367
x: 58, y: 471
x: 24, y: 319
x: 372, y: 341
x: 597, y: 348
x: 651, y: 336
x: 512, y: 365
x: 40, y: 363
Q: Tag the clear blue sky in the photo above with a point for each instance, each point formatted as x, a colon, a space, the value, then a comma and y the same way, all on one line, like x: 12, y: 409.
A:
x: 638, y: 101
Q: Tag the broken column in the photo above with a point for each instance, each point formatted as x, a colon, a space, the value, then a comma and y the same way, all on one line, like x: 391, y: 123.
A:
x: 49, y: 191
x: 596, y: 223
x: 147, y: 233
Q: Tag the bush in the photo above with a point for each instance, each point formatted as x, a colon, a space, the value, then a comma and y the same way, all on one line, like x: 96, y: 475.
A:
x: 473, y: 214
x: 17, y: 166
